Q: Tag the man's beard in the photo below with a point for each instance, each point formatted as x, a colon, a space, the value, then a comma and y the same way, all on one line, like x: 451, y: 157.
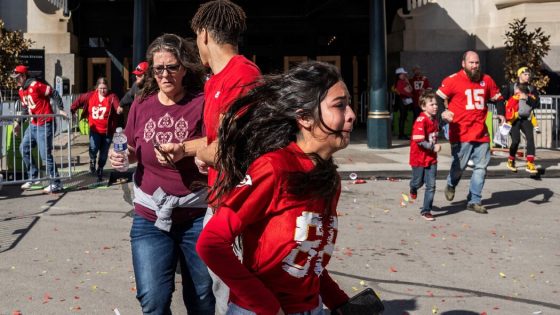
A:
x: 474, y: 75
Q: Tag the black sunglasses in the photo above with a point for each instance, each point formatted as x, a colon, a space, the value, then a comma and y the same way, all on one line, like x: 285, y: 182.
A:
x: 171, y: 69
x: 164, y: 154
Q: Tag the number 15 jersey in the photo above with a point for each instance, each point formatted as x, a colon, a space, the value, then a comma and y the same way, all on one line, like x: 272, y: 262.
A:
x: 467, y: 101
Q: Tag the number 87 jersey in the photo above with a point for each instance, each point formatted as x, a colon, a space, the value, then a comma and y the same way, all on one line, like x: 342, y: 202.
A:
x: 467, y: 100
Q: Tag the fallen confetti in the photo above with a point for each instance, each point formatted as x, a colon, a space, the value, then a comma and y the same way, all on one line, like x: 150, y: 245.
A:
x: 393, y: 269
x: 117, y: 311
x: 434, y: 309
x: 537, y: 312
x: 16, y: 312
x: 503, y: 275
x: 363, y: 283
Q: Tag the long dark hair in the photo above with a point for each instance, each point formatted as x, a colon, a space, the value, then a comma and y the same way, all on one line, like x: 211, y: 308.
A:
x: 265, y: 120
x: 187, y: 55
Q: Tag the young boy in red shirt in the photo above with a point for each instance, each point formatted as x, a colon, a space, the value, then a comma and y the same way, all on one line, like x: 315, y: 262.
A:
x: 423, y: 152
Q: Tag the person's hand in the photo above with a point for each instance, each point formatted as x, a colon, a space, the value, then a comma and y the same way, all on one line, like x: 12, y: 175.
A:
x: 437, y: 147
x: 117, y: 159
x: 120, y: 110
x: 202, y: 167
x: 447, y: 115
x: 17, y: 128
x: 502, y: 119
x: 63, y: 113
x: 280, y: 312
x: 174, y: 151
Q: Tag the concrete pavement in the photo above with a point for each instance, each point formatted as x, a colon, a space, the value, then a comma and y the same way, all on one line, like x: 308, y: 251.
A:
x: 70, y: 253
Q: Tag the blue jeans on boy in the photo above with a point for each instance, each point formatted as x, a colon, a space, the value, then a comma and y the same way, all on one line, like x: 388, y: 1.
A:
x: 427, y: 176
x: 462, y: 152
x: 42, y: 137
x: 99, y: 143
x: 155, y: 254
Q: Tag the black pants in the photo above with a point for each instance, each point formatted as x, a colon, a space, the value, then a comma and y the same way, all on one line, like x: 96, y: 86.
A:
x: 526, y: 126
x: 403, y: 114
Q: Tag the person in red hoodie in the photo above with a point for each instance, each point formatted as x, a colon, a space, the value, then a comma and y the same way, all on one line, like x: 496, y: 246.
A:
x: 102, y: 110
x: 279, y: 189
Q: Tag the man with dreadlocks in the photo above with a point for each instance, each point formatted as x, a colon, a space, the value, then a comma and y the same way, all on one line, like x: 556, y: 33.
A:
x: 218, y: 25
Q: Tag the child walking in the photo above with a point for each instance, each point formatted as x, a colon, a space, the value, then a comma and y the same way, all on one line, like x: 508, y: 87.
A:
x: 423, y: 153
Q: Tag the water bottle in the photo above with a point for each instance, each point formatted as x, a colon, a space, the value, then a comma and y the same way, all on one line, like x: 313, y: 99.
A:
x: 120, y: 146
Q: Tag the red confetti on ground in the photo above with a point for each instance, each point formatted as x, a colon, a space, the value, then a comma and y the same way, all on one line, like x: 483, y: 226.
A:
x: 393, y: 269
x: 46, y: 298
x: 30, y: 298
x: 496, y: 308
x: 16, y: 312
x: 76, y: 308
x: 483, y: 313
x: 106, y: 247
x: 76, y: 297
x: 433, y: 235
x: 430, y: 293
x: 348, y: 252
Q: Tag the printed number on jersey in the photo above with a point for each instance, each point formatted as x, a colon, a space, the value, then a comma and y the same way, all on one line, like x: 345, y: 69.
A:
x: 98, y: 112
x: 475, y: 99
x: 309, y: 235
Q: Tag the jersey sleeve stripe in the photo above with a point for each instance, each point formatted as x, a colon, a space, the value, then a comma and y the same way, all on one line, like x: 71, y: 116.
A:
x: 441, y: 94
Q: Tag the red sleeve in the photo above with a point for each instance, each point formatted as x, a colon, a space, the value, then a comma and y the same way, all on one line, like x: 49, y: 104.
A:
x: 115, y: 101
x: 494, y: 90
x: 246, y: 205
x: 446, y: 89
x: 418, y: 130
x: 427, y: 84
x: 401, y: 85
x: 331, y: 294
x: 80, y: 102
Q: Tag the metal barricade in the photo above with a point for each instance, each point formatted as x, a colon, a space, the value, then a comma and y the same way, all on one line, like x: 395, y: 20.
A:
x: 38, y: 151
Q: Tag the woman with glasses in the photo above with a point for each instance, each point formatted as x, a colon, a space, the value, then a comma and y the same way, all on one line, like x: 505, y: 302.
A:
x: 169, y: 192
x: 102, y: 110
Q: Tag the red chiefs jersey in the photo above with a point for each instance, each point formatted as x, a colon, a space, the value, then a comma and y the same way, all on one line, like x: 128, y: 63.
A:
x: 36, y: 97
x: 467, y: 101
x: 98, y: 113
x: 287, y: 240
x: 419, y: 84
x: 220, y: 91
x: 425, y: 128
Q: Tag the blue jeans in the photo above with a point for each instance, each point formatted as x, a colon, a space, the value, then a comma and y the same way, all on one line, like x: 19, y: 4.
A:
x: 421, y: 176
x: 41, y: 136
x: 462, y: 152
x: 155, y: 254
x: 98, y: 143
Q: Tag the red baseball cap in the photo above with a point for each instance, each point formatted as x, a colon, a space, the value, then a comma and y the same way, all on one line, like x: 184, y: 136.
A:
x: 141, y: 68
x: 20, y: 69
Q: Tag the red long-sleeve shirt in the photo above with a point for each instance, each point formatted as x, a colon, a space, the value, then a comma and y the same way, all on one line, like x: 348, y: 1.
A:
x: 287, y: 240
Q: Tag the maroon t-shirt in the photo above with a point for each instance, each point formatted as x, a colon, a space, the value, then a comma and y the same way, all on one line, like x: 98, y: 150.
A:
x: 150, y: 121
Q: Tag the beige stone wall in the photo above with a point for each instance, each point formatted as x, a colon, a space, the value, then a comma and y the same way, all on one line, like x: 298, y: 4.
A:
x: 459, y: 25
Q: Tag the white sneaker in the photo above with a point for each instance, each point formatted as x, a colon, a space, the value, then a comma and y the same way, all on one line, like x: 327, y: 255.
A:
x: 28, y: 185
x: 53, y: 188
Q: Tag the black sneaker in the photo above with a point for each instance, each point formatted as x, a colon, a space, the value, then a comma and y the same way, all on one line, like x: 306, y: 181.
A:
x: 476, y: 207
x: 92, y: 168
x: 449, y: 193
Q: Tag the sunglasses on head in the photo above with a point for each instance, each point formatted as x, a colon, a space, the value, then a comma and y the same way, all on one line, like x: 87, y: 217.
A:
x: 171, y: 69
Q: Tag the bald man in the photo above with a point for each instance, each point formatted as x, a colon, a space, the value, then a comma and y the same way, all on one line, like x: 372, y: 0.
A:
x: 467, y: 93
